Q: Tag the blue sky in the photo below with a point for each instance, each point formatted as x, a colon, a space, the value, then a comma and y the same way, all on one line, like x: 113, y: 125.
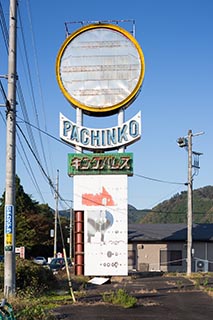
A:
x: 177, y: 92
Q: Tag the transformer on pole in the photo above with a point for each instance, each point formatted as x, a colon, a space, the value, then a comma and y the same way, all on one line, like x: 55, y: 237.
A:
x: 186, y: 142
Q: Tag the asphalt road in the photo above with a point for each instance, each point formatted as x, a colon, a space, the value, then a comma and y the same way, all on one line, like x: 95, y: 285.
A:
x: 163, y: 298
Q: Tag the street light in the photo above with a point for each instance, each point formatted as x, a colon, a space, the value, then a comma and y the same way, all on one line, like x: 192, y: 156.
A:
x: 186, y: 142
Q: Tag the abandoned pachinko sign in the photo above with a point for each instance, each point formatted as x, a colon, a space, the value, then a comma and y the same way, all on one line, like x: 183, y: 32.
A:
x: 100, y: 69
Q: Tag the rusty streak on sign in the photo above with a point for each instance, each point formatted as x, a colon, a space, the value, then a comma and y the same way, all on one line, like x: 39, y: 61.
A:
x: 100, y: 163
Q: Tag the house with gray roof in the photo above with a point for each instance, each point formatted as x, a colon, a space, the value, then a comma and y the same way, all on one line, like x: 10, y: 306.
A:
x: 163, y: 247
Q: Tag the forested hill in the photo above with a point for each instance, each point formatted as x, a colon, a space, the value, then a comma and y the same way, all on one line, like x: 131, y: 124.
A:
x: 174, y: 210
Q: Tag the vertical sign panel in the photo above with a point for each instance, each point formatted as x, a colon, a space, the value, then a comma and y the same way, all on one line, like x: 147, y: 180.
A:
x: 103, y: 198
x: 9, y: 227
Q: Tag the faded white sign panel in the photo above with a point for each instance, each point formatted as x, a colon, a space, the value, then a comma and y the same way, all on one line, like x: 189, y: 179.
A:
x: 104, y: 201
x: 105, y: 138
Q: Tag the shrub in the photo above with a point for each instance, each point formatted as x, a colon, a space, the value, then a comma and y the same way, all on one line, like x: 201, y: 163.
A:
x: 33, y: 310
x: 121, y: 298
x: 32, y: 277
x: 205, y: 282
x: 33, y: 283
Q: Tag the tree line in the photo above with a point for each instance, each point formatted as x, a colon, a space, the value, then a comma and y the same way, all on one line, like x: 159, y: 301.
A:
x: 33, y: 222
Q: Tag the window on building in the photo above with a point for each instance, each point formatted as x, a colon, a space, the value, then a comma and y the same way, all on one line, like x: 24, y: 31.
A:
x: 171, y: 258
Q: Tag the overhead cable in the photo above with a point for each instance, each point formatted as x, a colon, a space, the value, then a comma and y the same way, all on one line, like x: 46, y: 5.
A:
x: 158, y: 180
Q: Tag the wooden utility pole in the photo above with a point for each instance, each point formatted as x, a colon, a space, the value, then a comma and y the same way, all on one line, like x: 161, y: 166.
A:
x: 9, y: 212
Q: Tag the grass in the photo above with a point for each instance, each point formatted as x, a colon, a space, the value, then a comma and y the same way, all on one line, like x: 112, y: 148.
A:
x: 39, y: 308
x: 36, y: 302
x: 121, y: 298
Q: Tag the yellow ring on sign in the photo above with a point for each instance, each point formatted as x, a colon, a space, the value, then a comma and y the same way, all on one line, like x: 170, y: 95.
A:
x: 93, y: 108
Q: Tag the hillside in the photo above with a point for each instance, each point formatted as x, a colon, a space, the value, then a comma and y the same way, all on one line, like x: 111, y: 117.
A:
x: 174, y: 210
x: 134, y: 215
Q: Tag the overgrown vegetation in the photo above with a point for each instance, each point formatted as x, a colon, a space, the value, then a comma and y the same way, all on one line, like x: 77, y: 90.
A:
x: 38, y: 308
x: 31, y: 276
x: 36, y: 291
x: 32, y: 310
x: 121, y: 298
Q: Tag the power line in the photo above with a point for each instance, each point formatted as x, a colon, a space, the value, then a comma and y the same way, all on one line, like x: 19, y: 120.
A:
x: 176, y: 212
x: 158, y: 180
x: 31, y: 87
x: 46, y: 133
x: 41, y: 167
x: 58, y: 140
x: 4, y: 27
x: 35, y: 156
x: 39, y: 82
x: 19, y: 89
x: 29, y: 168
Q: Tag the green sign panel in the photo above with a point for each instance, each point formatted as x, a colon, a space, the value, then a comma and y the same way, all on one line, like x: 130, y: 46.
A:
x: 100, y: 163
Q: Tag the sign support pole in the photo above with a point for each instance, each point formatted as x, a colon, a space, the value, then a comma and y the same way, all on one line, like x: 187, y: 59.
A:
x: 120, y: 122
x: 79, y: 122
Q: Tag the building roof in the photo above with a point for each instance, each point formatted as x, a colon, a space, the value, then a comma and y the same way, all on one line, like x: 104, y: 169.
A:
x: 168, y: 232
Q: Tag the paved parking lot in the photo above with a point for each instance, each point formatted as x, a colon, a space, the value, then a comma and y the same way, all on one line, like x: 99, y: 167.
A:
x: 160, y: 297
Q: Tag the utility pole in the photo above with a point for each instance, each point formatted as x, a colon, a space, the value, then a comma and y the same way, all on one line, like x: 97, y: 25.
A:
x: 189, y: 215
x: 9, y: 211
x: 186, y: 142
x: 56, y: 216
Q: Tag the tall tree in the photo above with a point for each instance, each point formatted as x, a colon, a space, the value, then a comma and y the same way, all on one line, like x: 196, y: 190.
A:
x: 33, y: 221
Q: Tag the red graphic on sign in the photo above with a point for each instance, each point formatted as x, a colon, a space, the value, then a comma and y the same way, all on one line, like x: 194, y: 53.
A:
x: 98, y: 199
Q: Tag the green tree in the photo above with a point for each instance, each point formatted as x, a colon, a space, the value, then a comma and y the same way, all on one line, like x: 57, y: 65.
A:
x: 33, y: 221
x: 174, y: 210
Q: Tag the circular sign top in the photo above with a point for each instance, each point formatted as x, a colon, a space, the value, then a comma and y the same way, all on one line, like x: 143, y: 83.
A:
x: 100, y: 68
